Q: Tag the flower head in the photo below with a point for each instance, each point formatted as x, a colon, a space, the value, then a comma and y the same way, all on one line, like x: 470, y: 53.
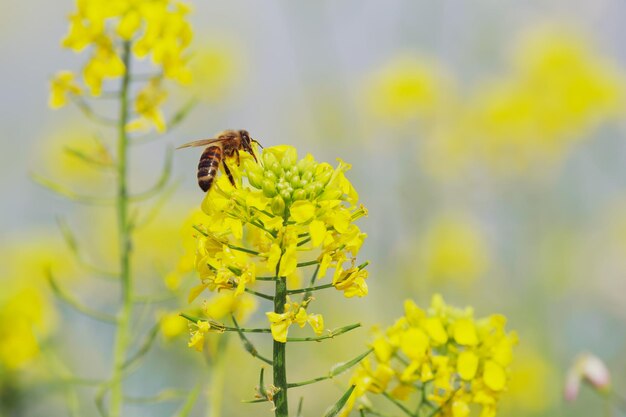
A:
x: 456, y: 359
x: 282, y: 214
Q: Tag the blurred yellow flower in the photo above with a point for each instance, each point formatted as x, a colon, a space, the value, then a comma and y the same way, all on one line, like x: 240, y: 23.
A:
x: 408, y: 88
x: 453, y: 249
x: 63, y: 84
x: 147, y: 103
x: 27, y: 314
x: 215, y: 68
x: 534, y: 386
x: 158, y: 29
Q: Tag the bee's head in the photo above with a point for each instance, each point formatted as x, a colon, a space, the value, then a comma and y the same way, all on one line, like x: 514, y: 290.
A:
x: 247, y: 140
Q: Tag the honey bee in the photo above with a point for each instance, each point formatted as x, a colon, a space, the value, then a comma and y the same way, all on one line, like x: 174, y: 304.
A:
x: 225, y: 145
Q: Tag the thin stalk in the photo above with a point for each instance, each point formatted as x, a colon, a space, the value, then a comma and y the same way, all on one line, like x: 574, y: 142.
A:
x: 398, y: 404
x: 125, y: 243
x: 309, y: 289
x: 279, y: 352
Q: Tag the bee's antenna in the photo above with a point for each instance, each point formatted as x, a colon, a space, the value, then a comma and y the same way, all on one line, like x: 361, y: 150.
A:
x: 257, y: 142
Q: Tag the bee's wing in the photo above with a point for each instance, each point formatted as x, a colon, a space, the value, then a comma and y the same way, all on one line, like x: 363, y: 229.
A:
x: 201, y: 142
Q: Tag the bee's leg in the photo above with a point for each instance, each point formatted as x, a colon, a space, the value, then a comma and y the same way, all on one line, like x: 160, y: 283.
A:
x: 229, y: 174
x: 251, y: 151
x: 237, y: 153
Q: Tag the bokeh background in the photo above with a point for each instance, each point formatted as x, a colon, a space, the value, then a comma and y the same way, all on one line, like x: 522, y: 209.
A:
x: 487, y: 142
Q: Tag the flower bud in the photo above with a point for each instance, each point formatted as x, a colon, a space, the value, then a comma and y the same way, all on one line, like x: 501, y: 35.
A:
x: 269, y: 189
x: 278, y: 206
x: 295, y: 181
x: 299, y: 194
x: 289, y: 159
x: 589, y: 368
x: 286, y: 195
x: 276, y: 169
x: 269, y: 175
x: 324, y: 176
x: 269, y: 159
x: 255, y: 179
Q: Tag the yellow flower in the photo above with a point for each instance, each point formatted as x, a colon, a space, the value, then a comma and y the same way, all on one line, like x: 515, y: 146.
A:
x: 294, y: 313
x: 409, y: 88
x: 464, y: 360
x: 62, y: 85
x: 104, y: 63
x: 282, y: 211
x: 147, y: 105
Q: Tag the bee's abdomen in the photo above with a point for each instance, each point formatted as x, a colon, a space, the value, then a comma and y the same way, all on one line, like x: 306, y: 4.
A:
x: 208, y: 166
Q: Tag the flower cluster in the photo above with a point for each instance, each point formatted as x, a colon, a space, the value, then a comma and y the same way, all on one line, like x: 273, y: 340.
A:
x: 114, y: 29
x: 443, y: 354
x: 557, y: 90
x: 287, y: 214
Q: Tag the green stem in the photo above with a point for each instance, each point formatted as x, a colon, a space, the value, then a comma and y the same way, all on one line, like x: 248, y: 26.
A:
x: 125, y: 244
x: 398, y: 404
x: 279, y: 353
x: 309, y: 289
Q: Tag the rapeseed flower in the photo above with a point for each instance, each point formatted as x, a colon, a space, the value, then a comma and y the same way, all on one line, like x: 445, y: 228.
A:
x: 283, y: 214
x: 115, y: 32
x: 453, y: 360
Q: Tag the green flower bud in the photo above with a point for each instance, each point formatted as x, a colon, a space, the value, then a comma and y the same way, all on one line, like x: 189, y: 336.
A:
x: 269, y: 159
x: 278, y: 206
x: 295, y: 181
x: 269, y: 175
x: 324, y: 176
x: 316, y: 188
x: 255, y: 179
x: 282, y: 185
x: 289, y: 158
x: 286, y: 195
x: 307, y: 176
x: 300, y: 194
x: 269, y: 188
x: 276, y: 169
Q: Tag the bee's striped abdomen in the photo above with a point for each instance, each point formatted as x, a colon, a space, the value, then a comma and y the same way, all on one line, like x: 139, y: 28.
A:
x: 208, y: 166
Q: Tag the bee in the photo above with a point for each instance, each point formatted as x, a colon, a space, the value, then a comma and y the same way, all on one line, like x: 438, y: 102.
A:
x: 225, y: 145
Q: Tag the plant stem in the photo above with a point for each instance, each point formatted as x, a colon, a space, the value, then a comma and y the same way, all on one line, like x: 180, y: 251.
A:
x: 279, y: 354
x: 125, y: 244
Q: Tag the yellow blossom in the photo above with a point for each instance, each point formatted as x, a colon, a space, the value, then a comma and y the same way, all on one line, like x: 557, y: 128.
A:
x: 62, y: 85
x: 147, y: 108
x: 457, y: 355
x: 282, y: 214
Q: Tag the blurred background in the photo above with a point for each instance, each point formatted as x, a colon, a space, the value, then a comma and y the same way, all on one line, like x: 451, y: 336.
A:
x: 486, y: 141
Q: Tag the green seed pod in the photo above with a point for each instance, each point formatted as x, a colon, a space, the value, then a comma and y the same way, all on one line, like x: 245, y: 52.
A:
x: 278, y: 206
x: 300, y: 194
x: 269, y: 188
